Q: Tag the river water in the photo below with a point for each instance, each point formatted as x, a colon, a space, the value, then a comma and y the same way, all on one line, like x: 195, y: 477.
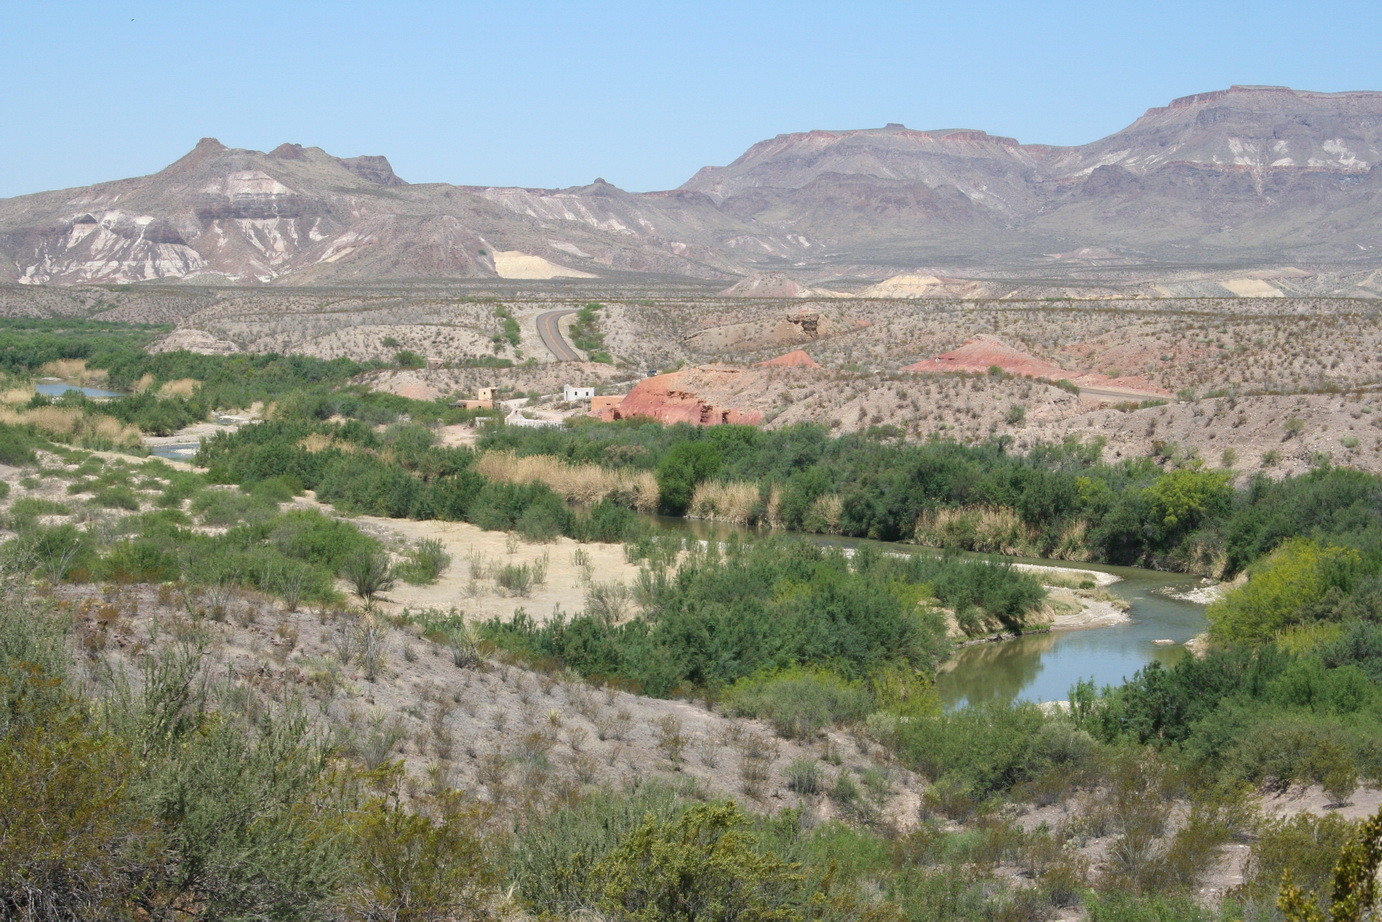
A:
x: 58, y: 388
x: 1043, y: 667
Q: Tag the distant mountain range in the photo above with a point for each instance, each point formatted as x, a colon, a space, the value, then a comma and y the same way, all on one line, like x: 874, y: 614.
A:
x: 1243, y: 177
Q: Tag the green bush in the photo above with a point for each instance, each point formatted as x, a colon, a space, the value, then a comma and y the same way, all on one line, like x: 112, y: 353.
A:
x: 231, y: 507
x: 1305, y: 845
x: 139, y: 562
x: 986, y: 748
x: 1282, y: 589
x: 407, y: 358
x: 306, y: 534
x: 368, y: 573
x: 411, y: 866
x: 681, y: 470
x: 25, y: 513
x: 425, y: 563
x: 762, y: 606
x: 546, y: 847
x: 799, y: 701
x: 704, y: 866
x: 17, y: 446
x: 117, y: 498
x: 1120, y: 907
x: 54, y: 552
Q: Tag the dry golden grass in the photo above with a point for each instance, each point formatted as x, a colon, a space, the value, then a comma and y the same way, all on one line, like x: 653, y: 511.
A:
x: 988, y: 529
x: 73, y: 424
x: 577, y: 483
x: 142, y: 385
x: 182, y: 387
x: 73, y: 370
x: 15, y: 395
x: 319, y: 441
x: 825, y: 514
x: 737, y: 502
x: 772, y: 509
x: 1072, y: 543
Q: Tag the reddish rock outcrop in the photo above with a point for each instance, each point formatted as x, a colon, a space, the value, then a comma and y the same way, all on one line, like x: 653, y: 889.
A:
x: 672, y: 398
x: 982, y: 353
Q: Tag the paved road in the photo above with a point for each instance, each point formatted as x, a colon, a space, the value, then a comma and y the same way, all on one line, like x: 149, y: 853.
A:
x: 549, y: 328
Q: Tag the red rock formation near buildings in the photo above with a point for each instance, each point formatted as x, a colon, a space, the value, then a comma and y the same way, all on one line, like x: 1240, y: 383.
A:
x: 672, y: 398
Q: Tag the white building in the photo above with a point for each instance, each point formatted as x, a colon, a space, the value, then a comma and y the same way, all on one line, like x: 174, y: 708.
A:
x: 572, y: 394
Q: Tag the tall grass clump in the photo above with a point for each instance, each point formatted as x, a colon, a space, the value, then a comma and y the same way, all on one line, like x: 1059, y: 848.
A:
x: 737, y: 502
x: 986, y: 529
x: 577, y: 483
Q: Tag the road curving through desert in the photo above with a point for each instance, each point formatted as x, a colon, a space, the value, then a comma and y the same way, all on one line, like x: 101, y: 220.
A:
x: 549, y: 329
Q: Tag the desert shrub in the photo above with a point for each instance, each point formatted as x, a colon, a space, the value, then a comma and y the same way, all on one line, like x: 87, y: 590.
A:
x: 230, y: 507
x: 547, y: 846
x: 1305, y: 845
x: 275, y: 490
x: 701, y: 867
x: 986, y: 748
x: 407, y: 358
x: 180, y: 487
x: 369, y: 573
x: 519, y: 578
x: 317, y: 539
x: 1282, y: 589
x: 543, y: 520
x: 139, y: 561
x: 1122, y: 907
x: 234, y: 795
x: 804, y: 776
x: 1353, y: 894
x: 411, y: 867
x: 1359, y: 644
x: 606, y: 522
x: 119, y: 497
x: 157, y: 795
x: 16, y: 445
x: 54, y: 552
x: 24, y: 513
x: 1279, y: 749
x: 74, y: 844
x: 762, y: 606
x: 799, y: 701
x: 425, y: 563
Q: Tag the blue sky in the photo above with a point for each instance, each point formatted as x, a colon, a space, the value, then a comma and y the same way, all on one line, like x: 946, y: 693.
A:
x: 641, y: 94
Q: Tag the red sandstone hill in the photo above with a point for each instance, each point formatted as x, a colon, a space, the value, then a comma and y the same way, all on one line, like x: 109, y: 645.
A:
x: 984, y: 352
x: 673, y: 398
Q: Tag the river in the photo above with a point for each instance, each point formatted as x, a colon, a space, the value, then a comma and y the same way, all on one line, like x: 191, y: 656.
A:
x: 1043, y: 667
x: 58, y: 388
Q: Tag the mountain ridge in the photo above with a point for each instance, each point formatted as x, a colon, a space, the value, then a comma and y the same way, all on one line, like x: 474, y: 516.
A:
x: 1249, y: 175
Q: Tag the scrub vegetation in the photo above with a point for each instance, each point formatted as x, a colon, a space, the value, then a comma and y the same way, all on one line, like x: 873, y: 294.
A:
x: 207, y: 711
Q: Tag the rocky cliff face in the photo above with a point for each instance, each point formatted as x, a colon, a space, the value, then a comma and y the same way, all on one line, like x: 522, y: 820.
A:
x: 1258, y: 176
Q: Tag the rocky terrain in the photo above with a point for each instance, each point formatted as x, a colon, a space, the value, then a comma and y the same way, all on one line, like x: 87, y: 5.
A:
x: 1269, y: 384
x: 1249, y: 191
